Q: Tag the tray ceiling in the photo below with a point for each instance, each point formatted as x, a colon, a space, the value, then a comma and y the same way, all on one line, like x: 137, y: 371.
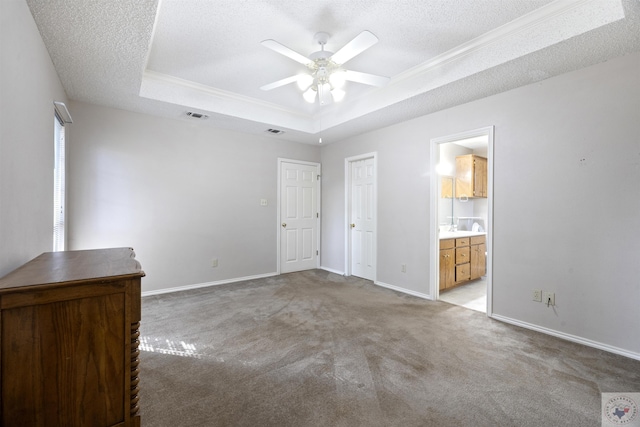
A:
x: 172, y: 56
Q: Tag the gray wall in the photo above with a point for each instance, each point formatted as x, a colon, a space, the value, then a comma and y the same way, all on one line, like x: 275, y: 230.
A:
x: 28, y: 86
x: 566, y: 206
x: 177, y: 191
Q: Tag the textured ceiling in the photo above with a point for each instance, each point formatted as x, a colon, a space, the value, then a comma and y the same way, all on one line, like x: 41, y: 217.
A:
x: 165, y: 58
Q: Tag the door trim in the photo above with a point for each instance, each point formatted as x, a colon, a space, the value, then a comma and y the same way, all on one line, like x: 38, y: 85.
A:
x: 434, y: 262
x: 318, y: 199
x: 347, y: 209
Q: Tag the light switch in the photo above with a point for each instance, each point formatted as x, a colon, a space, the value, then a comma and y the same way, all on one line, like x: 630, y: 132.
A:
x: 263, y: 202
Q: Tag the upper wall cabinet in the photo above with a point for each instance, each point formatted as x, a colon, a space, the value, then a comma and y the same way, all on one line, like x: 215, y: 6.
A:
x: 471, y: 176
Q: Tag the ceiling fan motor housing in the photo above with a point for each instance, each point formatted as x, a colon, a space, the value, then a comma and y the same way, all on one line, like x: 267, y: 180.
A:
x: 321, y: 38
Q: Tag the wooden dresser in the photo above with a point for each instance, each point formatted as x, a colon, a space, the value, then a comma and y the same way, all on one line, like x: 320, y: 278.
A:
x: 69, y: 340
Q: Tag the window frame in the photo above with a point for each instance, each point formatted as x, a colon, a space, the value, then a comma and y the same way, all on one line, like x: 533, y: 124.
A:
x: 59, y: 197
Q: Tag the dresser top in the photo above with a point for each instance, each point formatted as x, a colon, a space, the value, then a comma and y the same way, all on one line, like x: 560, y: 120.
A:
x: 67, y: 267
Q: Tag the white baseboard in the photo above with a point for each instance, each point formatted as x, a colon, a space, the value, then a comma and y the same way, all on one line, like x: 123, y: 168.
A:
x: 204, y: 285
x: 331, y: 270
x: 403, y: 290
x: 568, y: 337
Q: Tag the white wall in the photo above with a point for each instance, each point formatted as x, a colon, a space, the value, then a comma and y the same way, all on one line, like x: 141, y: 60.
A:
x: 566, y: 151
x: 178, y: 191
x: 28, y: 86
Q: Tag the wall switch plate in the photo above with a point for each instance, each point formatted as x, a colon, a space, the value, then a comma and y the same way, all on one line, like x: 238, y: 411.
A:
x: 549, y: 298
x: 263, y: 202
x: 214, y: 262
x: 537, y: 295
x: 403, y: 268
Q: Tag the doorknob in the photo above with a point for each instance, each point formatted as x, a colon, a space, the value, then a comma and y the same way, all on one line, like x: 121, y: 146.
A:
x: 284, y: 225
x: 353, y: 226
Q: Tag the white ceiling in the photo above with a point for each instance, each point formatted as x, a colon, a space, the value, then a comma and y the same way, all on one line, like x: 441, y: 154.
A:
x: 172, y: 56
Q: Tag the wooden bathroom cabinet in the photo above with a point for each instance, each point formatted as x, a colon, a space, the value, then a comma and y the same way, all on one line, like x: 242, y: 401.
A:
x: 462, y: 260
x: 471, y: 176
x: 478, y: 260
x: 69, y: 340
x: 447, y: 263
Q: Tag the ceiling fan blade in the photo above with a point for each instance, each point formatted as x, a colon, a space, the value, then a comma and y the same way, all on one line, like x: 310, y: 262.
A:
x: 279, y: 83
x: 365, y: 78
x: 359, y: 44
x: 283, y: 50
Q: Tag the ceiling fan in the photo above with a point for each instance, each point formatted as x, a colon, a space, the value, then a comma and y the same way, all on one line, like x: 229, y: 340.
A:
x: 325, y: 76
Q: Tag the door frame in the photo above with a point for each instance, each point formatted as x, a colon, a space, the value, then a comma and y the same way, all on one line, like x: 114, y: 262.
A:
x: 347, y: 206
x: 278, y: 210
x: 434, y: 262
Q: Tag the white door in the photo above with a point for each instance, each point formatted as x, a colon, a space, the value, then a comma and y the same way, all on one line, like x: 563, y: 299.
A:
x: 363, y: 222
x: 298, y: 217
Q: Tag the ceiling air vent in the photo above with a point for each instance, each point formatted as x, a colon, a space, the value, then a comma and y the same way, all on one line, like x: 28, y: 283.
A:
x: 275, y: 131
x: 197, y: 115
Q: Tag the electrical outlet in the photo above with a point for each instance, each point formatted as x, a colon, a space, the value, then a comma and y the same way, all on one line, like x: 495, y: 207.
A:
x: 537, y: 295
x: 403, y: 268
x: 549, y: 298
x: 263, y: 202
x: 214, y: 262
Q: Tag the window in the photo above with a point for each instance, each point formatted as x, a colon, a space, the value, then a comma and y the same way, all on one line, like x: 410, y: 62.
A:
x: 58, y: 184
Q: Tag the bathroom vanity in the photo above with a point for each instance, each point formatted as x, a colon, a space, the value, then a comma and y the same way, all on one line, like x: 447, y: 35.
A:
x: 462, y: 257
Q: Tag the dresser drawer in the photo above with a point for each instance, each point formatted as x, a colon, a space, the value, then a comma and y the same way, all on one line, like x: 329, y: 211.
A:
x: 463, y: 255
x: 463, y: 241
x: 463, y: 272
x: 447, y: 243
x: 478, y: 240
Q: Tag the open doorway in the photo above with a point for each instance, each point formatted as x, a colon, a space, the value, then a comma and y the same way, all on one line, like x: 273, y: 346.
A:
x: 461, y: 219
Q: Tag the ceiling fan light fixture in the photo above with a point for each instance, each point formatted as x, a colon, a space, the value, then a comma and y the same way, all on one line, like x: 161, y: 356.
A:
x: 324, y: 89
x: 337, y: 79
x: 310, y: 95
x: 304, y: 81
x: 338, y: 95
x: 326, y: 77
